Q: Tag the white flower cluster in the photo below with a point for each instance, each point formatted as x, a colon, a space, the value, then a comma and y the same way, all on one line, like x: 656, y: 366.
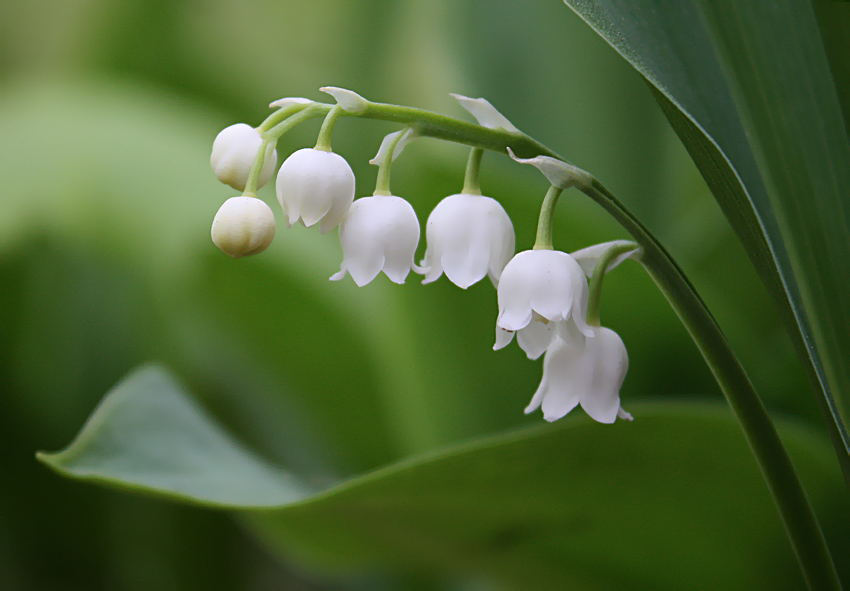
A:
x: 543, y: 297
x: 542, y: 294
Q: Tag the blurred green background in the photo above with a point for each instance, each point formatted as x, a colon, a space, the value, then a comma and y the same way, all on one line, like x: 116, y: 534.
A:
x: 107, y: 114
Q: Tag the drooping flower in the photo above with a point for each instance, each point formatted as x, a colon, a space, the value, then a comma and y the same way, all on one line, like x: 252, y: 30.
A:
x: 379, y: 233
x: 315, y: 186
x: 469, y: 236
x: 538, y: 290
x: 583, y: 370
x: 243, y: 226
x: 233, y: 154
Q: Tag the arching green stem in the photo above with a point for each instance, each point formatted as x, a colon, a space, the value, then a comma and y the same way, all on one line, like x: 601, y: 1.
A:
x: 599, y: 270
x: 300, y: 116
x: 546, y: 221
x: 782, y: 479
x: 435, y: 125
x: 471, y: 183
x: 280, y: 115
x: 324, y: 140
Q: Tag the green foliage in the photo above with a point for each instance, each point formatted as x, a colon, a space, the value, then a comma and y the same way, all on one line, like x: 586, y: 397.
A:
x: 748, y: 88
x: 541, y: 508
x: 107, y: 113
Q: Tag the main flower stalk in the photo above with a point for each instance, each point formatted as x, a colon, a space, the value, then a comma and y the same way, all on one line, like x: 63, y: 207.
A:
x: 764, y: 441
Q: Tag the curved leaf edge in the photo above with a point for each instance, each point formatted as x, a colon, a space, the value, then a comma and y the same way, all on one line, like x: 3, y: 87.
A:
x: 771, y: 275
x: 804, y: 440
x: 61, y: 461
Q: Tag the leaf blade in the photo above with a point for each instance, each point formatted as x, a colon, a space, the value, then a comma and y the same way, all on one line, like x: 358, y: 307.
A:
x: 674, y: 47
x: 538, y: 507
x: 210, y: 469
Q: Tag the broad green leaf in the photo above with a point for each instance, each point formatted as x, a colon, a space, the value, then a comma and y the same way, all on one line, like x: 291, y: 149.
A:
x: 747, y: 86
x: 669, y: 500
x: 184, y: 453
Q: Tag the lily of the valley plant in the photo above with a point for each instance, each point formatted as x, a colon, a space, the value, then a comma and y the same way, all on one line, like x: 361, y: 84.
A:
x: 543, y: 293
x: 548, y: 299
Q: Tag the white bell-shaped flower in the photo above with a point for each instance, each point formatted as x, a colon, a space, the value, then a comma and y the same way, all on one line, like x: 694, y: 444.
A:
x: 538, y: 290
x: 469, y: 236
x: 315, y: 186
x: 243, y: 226
x: 583, y: 370
x: 233, y: 154
x: 379, y: 233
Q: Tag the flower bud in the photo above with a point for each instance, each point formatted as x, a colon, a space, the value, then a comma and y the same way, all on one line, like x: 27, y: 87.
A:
x: 243, y: 226
x: 233, y: 154
x: 314, y: 185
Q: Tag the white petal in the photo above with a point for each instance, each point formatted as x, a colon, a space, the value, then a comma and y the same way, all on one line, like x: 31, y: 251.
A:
x: 432, y: 267
x: 362, y: 254
x: 400, y: 237
x: 588, y: 257
x: 566, y: 377
x: 607, y: 356
x: 579, y: 312
x: 569, y: 333
x: 514, y: 319
x: 465, y: 268
x: 485, y: 113
x: 364, y: 269
x: 515, y: 293
x: 558, y: 172
x: 535, y: 338
x: 503, y: 338
x: 339, y: 274
x: 622, y: 414
x: 313, y: 206
x: 555, y: 284
x: 349, y: 100
x: 503, y: 243
x: 541, y: 391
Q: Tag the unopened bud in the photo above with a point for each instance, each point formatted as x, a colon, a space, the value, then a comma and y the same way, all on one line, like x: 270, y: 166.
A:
x: 233, y: 154
x: 243, y: 226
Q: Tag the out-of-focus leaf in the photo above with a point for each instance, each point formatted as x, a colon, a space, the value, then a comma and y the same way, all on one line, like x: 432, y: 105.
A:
x: 670, y: 499
x: 184, y: 453
x: 834, y: 21
x: 129, y: 179
x: 747, y: 86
